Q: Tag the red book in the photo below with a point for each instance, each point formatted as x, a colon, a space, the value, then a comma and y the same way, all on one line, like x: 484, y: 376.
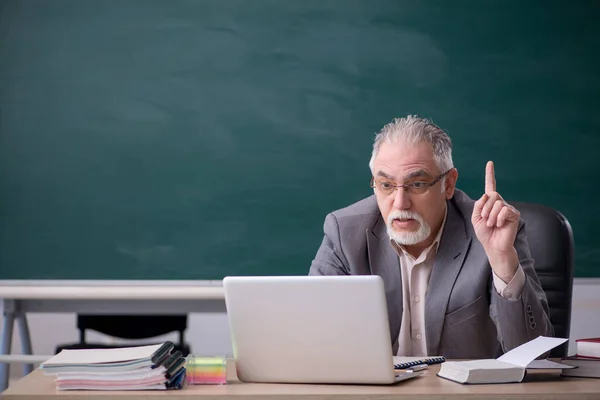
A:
x: 588, y: 348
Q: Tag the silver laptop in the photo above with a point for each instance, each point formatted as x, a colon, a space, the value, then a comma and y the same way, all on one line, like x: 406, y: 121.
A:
x: 311, y: 329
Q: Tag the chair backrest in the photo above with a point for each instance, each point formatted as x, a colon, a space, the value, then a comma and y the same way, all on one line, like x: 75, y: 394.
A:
x: 133, y: 326
x: 552, y: 248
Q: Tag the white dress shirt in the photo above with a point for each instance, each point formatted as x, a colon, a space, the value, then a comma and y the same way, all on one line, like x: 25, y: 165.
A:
x: 415, y: 279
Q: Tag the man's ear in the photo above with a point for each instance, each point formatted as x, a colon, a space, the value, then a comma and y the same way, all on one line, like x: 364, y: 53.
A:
x: 451, y: 179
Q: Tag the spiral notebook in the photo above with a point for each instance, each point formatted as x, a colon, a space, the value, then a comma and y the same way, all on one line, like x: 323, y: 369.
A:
x: 409, y: 362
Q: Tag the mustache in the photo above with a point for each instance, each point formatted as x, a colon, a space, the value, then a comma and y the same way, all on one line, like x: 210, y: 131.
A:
x: 404, y: 214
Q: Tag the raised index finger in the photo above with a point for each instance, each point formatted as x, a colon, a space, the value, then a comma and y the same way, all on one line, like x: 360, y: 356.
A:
x: 490, y: 179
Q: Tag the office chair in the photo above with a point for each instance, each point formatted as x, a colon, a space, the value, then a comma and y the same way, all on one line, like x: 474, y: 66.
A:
x: 552, y: 248
x: 129, y: 327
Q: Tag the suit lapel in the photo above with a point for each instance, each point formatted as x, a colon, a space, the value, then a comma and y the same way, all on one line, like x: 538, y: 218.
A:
x: 452, y: 250
x: 385, y: 262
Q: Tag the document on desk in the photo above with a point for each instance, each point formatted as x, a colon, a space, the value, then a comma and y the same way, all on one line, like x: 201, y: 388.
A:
x: 117, y: 359
x: 508, y: 368
x: 153, y: 367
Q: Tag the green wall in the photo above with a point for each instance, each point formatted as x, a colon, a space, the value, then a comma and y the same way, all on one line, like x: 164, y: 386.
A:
x: 197, y: 139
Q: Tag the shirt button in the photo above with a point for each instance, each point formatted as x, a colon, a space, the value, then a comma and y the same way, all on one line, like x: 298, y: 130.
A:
x: 418, y: 336
x: 417, y: 299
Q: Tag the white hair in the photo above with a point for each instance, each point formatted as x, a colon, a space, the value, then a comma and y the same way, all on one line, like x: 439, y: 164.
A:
x: 414, y: 130
x: 407, y: 238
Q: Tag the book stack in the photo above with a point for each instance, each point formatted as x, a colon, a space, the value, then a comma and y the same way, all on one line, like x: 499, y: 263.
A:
x: 587, y: 359
x: 154, y: 367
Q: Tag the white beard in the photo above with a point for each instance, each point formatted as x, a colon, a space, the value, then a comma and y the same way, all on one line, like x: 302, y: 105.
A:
x: 407, y: 238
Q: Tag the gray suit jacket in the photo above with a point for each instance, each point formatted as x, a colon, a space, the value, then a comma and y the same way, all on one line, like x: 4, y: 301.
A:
x: 464, y: 315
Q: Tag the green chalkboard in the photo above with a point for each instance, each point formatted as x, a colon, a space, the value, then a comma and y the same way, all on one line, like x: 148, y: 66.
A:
x: 198, y: 139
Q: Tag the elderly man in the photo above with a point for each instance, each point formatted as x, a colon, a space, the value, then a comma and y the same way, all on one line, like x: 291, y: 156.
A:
x: 458, y: 274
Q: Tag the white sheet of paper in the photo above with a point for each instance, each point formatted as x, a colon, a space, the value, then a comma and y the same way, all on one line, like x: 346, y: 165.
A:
x: 547, y: 364
x: 527, y: 352
x: 93, y: 356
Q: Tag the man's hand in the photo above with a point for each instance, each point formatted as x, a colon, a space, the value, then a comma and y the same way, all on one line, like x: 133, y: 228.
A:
x: 496, y: 223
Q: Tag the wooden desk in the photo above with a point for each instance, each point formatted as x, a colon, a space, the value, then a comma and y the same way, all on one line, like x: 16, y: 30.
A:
x: 98, y: 297
x: 541, y: 384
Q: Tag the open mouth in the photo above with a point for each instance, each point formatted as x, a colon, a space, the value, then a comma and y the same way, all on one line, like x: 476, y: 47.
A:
x: 403, y: 222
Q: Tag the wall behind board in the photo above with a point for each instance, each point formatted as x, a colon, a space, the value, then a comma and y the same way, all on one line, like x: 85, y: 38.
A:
x: 199, y: 139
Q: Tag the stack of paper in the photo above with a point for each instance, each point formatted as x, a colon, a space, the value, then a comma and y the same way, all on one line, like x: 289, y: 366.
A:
x: 152, y: 367
x: 206, y: 370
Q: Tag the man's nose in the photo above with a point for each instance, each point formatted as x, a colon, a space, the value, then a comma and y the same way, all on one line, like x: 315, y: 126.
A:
x: 401, y: 199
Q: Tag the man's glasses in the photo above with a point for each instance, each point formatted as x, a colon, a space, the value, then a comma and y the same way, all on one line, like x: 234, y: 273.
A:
x: 387, y: 187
